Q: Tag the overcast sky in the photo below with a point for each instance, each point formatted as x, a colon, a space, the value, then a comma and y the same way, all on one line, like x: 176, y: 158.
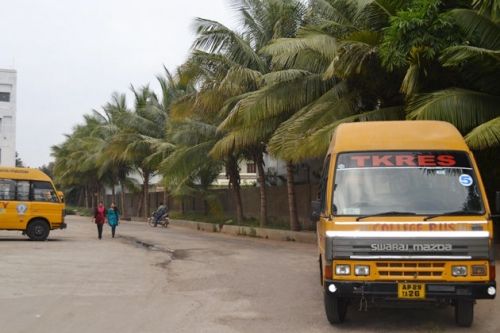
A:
x: 71, y: 55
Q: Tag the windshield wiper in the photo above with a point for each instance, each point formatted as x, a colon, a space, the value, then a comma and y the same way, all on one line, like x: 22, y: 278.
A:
x: 386, y: 213
x: 455, y: 212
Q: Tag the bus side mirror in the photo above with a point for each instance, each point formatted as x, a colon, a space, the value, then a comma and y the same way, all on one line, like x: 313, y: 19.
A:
x: 315, y: 210
x: 60, y: 195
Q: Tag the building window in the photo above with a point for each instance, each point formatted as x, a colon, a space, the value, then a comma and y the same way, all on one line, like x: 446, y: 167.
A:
x: 251, y: 168
x: 4, y: 96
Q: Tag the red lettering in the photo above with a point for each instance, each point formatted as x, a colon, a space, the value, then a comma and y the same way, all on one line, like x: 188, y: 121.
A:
x: 433, y: 226
x: 360, y: 160
x: 405, y: 160
x: 381, y: 160
x: 446, y: 160
x: 426, y: 160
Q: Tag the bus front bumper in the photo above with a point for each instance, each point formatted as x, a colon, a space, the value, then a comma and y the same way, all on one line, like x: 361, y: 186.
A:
x: 389, y: 290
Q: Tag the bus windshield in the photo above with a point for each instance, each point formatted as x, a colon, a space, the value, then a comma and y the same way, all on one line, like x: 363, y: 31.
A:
x: 413, y: 183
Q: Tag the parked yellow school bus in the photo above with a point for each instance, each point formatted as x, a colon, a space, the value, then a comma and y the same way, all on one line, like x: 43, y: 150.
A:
x: 403, y: 217
x: 29, y: 202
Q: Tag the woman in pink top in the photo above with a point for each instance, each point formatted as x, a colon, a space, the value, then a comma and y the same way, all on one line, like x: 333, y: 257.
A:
x: 100, y: 218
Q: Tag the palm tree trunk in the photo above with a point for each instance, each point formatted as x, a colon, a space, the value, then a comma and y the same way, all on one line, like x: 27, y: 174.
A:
x: 140, y: 204
x: 86, y: 189
x: 113, y: 193
x: 93, y: 198
x: 234, y: 184
x: 146, y: 194
x: 122, y: 199
x: 292, y: 205
x: 259, y: 160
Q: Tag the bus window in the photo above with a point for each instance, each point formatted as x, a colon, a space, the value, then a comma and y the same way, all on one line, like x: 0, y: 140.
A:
x: 7, y: 189
x: 23, y: 190
x: 43, y: 191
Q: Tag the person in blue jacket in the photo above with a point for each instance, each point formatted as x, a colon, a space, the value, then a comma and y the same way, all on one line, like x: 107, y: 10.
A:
x: 113, y: 217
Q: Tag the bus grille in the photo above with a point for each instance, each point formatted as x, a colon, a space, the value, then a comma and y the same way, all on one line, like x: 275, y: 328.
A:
x: 388, y: 270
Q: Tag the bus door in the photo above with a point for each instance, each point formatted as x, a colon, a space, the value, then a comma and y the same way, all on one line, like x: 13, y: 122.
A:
x: 45, y: 201
x: 13, y: 211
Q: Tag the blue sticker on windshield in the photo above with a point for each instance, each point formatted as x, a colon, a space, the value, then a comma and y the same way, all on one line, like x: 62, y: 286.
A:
x: 465, y: 180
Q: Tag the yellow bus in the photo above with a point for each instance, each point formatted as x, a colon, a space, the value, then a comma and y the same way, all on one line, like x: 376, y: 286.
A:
x: 403, y: 217
x: 30, y: 203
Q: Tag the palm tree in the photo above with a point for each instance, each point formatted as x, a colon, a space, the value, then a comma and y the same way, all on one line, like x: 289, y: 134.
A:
x: 137, y: 137
x: 261, y: 22
x: 470, y: 102
x: 75, y: 166
x: 115, y: 168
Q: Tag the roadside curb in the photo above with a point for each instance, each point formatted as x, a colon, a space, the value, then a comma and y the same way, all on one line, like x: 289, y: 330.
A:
x: 234, y: 230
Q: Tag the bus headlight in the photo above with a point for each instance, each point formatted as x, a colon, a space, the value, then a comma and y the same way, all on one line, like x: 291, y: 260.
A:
x: 459, y: 270
x: 362, y: 270
x: 342, y: 269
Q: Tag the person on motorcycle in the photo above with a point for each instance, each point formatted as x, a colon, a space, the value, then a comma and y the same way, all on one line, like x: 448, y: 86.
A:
x: 160, y: 211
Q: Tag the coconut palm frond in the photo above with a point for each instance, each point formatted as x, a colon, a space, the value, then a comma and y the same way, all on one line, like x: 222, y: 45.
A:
x: 315, y: 143
x: 480, y: 29
x: 184, y: 160
x: 283, y: 76
x: 239, y: 80
x: 354, y: 54
x: 489, y: 8
x: 244, y: 137
x: 281, y: 98
x: 216, y: 38
x: 457, y: 55
x: 485, y: 136
x: 320, y: 42
x: 465, y: 109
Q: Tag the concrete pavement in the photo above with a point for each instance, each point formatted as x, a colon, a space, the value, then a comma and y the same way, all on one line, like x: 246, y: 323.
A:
x: 177, y: 280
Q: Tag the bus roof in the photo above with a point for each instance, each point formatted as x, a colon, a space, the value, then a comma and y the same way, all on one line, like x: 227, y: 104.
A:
x: 23, y: 174
x: 397, y: 135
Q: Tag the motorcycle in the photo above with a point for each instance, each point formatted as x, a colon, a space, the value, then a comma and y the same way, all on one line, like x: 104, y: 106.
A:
x: 163, y: 221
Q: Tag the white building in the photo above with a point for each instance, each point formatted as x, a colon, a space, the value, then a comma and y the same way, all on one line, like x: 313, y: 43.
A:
x: 8, y: 117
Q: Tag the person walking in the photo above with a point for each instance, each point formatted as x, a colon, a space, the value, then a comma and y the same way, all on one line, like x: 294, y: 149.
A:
x: 113, y: 217
x: 100, y: 218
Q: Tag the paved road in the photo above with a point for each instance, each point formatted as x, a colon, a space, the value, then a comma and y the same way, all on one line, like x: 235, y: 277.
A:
x: 176, y: 280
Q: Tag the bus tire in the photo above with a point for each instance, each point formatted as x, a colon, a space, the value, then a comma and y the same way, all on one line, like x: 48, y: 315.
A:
x: 38, y: 230
x: 464, y: 312
x: 335, y: 308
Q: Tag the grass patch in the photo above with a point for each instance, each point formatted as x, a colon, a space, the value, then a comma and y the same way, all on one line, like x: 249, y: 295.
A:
x: 273, y: 223
x: 82, y: 211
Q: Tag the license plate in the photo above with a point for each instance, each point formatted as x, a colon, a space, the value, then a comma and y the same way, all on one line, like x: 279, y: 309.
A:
x: 411, y: 290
